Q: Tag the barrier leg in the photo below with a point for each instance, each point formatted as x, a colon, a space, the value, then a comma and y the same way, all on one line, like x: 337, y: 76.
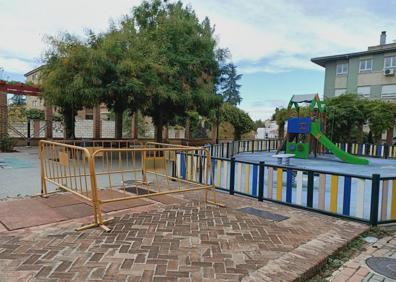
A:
x: 212, y: 187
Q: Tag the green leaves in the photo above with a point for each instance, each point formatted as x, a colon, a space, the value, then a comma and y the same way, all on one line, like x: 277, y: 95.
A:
x: 239, y: 119
x: 346, y: 115
x: 160, y: 60
x: 229, y: 86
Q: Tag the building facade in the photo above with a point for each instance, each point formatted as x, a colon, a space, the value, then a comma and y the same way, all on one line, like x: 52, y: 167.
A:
x: 370, y: 73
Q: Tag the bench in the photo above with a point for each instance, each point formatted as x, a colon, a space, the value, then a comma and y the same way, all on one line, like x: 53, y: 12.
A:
x: 285, y: 158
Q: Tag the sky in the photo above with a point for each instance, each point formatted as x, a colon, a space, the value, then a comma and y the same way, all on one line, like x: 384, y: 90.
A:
x: 271, y: 42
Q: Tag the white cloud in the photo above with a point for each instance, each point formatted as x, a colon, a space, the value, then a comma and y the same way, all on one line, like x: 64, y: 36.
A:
x: 14, y: 65
x: 278, y: 36
x: 263, y: 35
x: 262, y: 109
x: 24, y: 24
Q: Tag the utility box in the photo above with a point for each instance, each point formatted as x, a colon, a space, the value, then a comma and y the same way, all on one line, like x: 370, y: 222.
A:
x: 300, y: 150
x: 299, y: 125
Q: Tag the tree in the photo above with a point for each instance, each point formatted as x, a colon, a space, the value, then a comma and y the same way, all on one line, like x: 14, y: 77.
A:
x: 239, y: 119
x: 35, y: 114
x: 180, y: 63
x: 380, y: 118
x: 69, y: 77
x: 229, y: 86
x: 344, y: 113
x: 280, y: 117
x: 120, y: 59
x: 259, y: 123
x: 18, y: 100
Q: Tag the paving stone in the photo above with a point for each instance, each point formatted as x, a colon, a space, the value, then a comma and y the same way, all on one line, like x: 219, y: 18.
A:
x: 24, y: 213
x: 188, y: 241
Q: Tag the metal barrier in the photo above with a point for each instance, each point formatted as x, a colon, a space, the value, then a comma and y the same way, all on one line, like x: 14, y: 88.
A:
x: 100, y: 175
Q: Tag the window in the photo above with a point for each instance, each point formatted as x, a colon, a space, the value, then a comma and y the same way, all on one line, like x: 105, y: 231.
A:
x: 364, y: 91
x: 366, y: 65
x: 388, y: 92
x: 339, y: 92
x: 342, y: 68
x: 390, y: 62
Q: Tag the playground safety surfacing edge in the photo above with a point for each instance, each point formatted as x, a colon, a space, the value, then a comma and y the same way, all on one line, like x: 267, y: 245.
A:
x: 328, y: 164
x: 187, y: 240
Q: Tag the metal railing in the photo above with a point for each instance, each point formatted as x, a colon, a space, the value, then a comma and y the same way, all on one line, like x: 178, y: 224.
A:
x: 101, y: 175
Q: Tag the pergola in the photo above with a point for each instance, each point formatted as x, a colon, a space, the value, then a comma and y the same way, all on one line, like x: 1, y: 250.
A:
x: 29, y: 90
x: 18, y: 89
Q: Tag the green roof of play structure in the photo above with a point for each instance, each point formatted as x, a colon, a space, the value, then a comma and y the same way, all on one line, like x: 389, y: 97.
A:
x: 312, y: 99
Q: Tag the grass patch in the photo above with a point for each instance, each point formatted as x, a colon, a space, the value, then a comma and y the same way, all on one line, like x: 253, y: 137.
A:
x: 340, y: 257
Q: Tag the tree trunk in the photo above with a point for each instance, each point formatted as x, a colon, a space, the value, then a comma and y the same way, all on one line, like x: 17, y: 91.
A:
x: 69, y: 121
x: 188, y: 128
x: 118, y: 124
x: 281, y: 132
x: 134, y: 126
x: 359, y: 135
x: 158, y: 131
x: 237, y: 134
x: 389, y: 136
x: 213, y: 133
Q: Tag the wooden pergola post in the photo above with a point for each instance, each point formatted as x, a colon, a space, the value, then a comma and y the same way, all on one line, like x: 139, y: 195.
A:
x: 3, y: 115
x: 48, y: 121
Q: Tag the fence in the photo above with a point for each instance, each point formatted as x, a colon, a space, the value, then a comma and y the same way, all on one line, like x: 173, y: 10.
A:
x: 102, y: 175
x: 369, y: 150
x: 366, y: 199
x: 103, y: 172
x: 229, y: 149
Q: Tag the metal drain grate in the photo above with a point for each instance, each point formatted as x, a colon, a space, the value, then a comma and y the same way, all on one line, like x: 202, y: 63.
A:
x: 264, y: 214
x: 138, y: 191
x: 131, y: 188
x: 383, y: 265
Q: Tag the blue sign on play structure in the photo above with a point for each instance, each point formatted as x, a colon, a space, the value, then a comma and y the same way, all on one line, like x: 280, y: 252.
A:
x: 299, y: 125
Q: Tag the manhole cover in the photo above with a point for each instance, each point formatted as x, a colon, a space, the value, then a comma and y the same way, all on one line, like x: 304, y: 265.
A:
x: 264, y: 214
x: 383, y: 265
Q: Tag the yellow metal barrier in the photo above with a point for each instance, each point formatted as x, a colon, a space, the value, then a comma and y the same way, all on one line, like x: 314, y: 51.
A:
x: 110, y: 174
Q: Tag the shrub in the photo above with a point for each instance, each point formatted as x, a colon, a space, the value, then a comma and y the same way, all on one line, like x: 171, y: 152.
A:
x: 6, y: 144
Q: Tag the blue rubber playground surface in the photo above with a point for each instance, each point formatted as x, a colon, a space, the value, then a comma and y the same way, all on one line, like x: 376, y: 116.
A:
x: 328, y: 163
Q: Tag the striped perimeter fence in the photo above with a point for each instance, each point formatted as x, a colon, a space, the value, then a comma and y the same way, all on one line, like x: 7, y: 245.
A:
x: 371, y: 200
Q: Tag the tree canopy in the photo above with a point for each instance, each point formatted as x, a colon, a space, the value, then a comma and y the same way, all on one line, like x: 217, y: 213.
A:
x: 239, y: 119
x: 346, y: 116
x: 160, y: 60
x: 69, y: 77
x: 228, y: 84
x: 181, y: 57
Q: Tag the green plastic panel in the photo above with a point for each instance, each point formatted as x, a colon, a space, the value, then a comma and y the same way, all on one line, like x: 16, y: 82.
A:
x: 301, y: 150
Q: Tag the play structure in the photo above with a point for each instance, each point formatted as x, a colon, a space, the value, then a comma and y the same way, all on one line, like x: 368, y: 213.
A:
x: 304, y: 135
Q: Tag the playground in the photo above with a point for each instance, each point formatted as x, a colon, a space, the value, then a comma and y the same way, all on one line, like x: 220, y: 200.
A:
x: 328, y: 163
x: 163, y: 198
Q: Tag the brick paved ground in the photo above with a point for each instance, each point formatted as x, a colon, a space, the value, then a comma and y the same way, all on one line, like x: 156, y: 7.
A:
x: 356, y: 269
x: 190, y: 241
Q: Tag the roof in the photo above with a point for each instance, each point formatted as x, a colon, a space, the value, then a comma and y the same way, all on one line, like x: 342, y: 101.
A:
x: 34, y: 71
x: 321, y: 61
x: 305, y: 98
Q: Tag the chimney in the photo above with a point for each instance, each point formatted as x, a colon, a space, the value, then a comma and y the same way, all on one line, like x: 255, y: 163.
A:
x: 383, y: 38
